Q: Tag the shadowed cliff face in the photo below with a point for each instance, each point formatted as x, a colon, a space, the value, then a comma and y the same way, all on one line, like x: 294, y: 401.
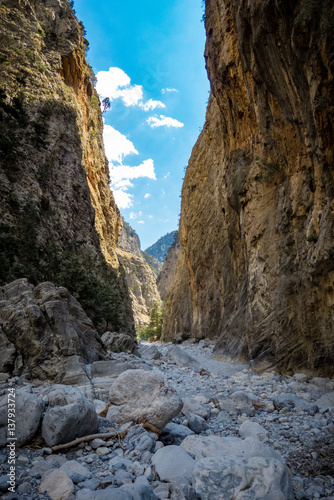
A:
x: 59, y: 220
x: 257, y: 215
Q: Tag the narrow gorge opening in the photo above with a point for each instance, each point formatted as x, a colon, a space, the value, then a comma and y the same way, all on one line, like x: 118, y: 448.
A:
x: 151, y: 80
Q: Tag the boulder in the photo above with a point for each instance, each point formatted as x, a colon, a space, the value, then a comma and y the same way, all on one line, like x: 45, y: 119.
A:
x: 193, y: 406
x: 139, y: 491
x: 150, y: 353
x: 200, y: 447
x: 253, y: 429
x: 173, y: 464
x: 139, y: 395
x: 109, y: 493
x: 223, y: 478
x: 69, y: 416
x: 75, y: 371
x: 181, y: 358
x: 75, y: 471
x: 28, y: 414
x: 236, y: 407
x: 326, y: 400
x: 290, y: 401
x: 57, y: 485
x: 118, y: 342
x: 109, y: 368
x: 196, y: 423
x: 47, y: 325
x: 139, y: 439
x: 174, y: 434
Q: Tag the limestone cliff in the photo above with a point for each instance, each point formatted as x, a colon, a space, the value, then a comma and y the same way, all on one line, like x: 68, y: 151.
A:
x: 139, y: 276
x: 59, y: 220
x: 166, y: 275
x: 257, y: 216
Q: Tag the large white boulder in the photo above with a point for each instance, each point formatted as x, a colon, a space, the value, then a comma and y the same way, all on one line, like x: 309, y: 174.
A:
x: 142, y: 396
x: 224, y: 478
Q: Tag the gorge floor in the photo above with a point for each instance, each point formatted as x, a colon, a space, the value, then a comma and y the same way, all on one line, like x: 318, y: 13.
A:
x: 295, y: 416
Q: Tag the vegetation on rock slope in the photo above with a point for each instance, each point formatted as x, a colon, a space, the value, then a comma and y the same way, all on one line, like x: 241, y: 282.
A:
x: 160, y: 248
x: 58, y: 218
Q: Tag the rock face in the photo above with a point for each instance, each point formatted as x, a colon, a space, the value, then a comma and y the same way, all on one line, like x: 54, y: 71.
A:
x: 165, y: 277
x: 58, y: 217
x: 139, y: 276
x: 257, y: 215
x: 47, y: 326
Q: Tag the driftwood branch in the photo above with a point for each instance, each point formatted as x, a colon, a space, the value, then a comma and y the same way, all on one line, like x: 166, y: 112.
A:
x: 113, y: 433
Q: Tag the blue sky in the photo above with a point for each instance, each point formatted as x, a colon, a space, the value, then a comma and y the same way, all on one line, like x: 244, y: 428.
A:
x: 148, y: 58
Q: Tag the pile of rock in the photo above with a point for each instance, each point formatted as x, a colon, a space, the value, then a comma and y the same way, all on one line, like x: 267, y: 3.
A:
x: 173, y: 425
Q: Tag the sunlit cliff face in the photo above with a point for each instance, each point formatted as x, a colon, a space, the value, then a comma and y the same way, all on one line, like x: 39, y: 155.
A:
x: 257, y: 200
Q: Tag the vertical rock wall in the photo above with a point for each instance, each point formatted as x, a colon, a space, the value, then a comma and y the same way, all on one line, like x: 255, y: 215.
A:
x: 58, y: 217
x: 257, y: 220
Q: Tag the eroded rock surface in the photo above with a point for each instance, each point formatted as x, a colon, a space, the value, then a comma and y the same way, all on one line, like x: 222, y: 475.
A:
x: 257, y: 200
x: 48, y: 327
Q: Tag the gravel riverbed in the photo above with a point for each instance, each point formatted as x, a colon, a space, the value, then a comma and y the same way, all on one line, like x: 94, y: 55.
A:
x: 290, y: 420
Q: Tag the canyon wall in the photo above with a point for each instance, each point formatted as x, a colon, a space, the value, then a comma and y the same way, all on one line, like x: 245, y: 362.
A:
x: 139, y: 275
x: 167, y: 272
x: 59, y: 221
x: 257, y: 217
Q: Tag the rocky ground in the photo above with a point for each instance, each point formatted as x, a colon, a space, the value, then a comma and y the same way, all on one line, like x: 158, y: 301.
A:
x: 239, y: 435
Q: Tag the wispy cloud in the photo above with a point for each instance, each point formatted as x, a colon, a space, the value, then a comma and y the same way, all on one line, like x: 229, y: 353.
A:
x: 147, y: 195
x: 151, y: 104
x: 119, y: 173
x: 164, y: 91
x: 140, y: 222
x: 163, y: 121
x: 120, y: 176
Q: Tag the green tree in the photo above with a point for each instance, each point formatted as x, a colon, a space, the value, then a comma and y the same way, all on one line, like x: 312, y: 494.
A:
x: 154, y: 328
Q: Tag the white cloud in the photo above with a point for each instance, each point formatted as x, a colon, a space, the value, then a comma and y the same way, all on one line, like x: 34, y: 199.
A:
x: 163, y: 121
x: 120, y: 176
x: 167, y: 175
x: 168, y: 90
x: 140, y: 222
x: 132, y: 95
x: 122, y: 198
x: 108, y: 82
x: 132, y: 215
x: 115, y: 84
x: 151, y: 104
x: 116, y: 144
x: 150, y: 216
x: 147, y: 195
x: 122, y: 172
